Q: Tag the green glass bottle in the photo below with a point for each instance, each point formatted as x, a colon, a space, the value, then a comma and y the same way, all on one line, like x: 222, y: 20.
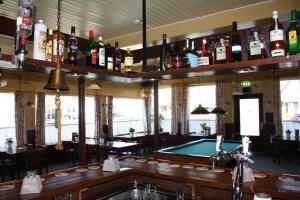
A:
x: 236, y: 48
x: 293, y: 35
x: 91, y: 51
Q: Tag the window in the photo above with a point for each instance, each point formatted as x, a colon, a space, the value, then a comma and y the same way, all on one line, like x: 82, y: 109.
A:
x: 128, y: 113
x: 69, y: 119
x: 290, y: 100
x: 206, y: 96
x: 7, y: 117
x: 165, y: 108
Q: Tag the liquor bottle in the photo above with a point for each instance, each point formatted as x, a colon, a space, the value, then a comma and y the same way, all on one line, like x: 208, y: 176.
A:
x: 211, y: 50
x: 177, y: 57
x: 109, y: 58
x: 22, y: 52
x: 170, y: 53
x: 193, y: 56
x: 276, y: 37
x: 221, y: 52
x: 117, y: 58
x: 186, y: 50
x: 49, y: 45
x: 293, y: 35
x: 228, y: 48
x: 204, y: 56
x: 163, y: 54
x: 61, y: 44
x: 39, y: 42
x: 72, y: 47
x: 90, y: 54
x: 101, y: 53
x: 236, y: 48
x: 256, y: 47
x: 128, y: 61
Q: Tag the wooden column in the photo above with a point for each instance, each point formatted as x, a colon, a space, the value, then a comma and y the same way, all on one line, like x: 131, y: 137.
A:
x: 156, y: 113
x: 81, y: 103
x: 144, y: 37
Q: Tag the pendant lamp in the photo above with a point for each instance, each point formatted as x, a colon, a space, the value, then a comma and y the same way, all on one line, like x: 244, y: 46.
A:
x: 218, y: 110
x: 57, y: 82
x: 200, y: 110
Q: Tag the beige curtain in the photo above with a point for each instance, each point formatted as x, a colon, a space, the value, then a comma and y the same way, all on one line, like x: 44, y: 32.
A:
x: 98, y: 113
x: 184, y: 109
x: 110, y: 116
x: 174, y: 100
x: 40, y: 120
x: 220, y: 123
x: 20, y: 117
x: 277, y: 105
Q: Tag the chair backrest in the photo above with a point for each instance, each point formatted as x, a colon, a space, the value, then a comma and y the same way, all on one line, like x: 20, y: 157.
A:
x: 30, y: 136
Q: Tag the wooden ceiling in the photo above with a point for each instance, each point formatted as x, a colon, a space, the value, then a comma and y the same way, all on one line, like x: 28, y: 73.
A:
x: 115, y: 17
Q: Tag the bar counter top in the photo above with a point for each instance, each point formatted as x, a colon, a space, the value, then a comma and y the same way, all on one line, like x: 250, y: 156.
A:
x: 199, y: 181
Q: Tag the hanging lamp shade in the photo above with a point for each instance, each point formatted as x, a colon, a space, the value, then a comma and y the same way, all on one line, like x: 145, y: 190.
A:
x: 199, y: 110
x: 57, y: 80
x: 218, y: 110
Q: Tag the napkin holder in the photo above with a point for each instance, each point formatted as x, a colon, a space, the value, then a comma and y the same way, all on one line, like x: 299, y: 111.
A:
x: 247, y: 175
x: 31, y: 184
x: 111, y: 165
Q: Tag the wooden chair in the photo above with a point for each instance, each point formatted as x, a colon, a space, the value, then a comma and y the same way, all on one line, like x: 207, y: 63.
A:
x: 36, y: 159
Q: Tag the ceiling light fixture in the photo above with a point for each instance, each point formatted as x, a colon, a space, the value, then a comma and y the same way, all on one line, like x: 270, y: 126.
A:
x: 94, y: 86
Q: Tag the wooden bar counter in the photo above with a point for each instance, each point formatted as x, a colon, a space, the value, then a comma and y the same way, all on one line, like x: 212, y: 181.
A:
x: 198, y: 184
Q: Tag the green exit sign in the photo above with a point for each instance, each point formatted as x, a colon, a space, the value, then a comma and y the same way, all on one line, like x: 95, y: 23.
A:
x: 246, y: 84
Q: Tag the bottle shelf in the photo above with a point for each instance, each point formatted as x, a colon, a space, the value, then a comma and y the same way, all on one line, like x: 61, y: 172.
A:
x: 268, y: 64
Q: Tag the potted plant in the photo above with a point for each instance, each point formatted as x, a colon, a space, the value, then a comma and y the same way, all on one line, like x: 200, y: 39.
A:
x: 131, y: 131
x: 205, y: 128
x: 9, y: 142
x: 102, y: 137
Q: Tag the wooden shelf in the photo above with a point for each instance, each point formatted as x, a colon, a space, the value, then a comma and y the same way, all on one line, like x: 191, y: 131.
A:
x: 268, y: 64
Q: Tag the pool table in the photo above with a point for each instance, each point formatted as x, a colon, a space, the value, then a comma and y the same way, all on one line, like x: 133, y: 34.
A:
x: 198, y: 151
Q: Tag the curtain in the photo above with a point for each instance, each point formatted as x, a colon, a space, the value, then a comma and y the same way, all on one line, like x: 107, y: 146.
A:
x: 98, y: 120
x: 277, y: 104
x: 20, y: 117
x: 220, y: 123
x: 40, y: 120
x: 174, y: 110
x: 147, y: 103
x: 110, y: 116
x: 184, y: 109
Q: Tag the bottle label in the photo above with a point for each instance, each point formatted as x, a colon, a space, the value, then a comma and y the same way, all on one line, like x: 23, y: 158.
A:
x: 128, y: 61
x: 221, y: 53
x: 73, y: 52
x: 293, y: 40
x: 49, y: 50
x: 255, y: 48
x: 204, y: 61
x: 109, y: 63
x: 278, y: 52
x: 276, y: 35
x: 102, y: 57
x: 26, y: 20
x: 94, y: 56
x: 42, y: 42
x: 236, y: 48
x: 55, y: 47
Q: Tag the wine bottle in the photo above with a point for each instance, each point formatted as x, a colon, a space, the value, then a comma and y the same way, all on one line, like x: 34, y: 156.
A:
x: 49, y: 45
x: 39, y: 43
x: 236, y: 48
x: 117, y: 58
x: 90, y: 54
x: 101, y: 53
x: 193, y: 56
x: 204, y: 56
x: 109, y: 58
x: 170, y: 53
x: 293, y: 35
x: 128, y: 61
x: 61, y: 44
x: 276, y: 37
x: 72, y: 47
x: 186, y: 50
x: 163, y: 54
x: 221, y: 52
